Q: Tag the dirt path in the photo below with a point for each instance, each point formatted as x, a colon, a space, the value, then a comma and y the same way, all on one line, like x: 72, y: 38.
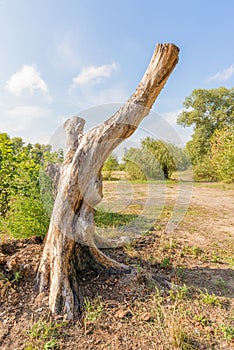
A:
x: 210, y: 217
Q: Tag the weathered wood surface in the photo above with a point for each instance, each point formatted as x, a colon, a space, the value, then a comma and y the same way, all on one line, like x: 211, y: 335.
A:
x: 71, y: 245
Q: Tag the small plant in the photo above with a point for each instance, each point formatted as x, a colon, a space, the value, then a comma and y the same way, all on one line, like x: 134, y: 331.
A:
x: 202, y: 320
x: 210, y: 299
x: 3, y: 277
x: 51, y: 344
x: 179, y: 293
x: 193, y: 250
x: 171, y: 244
x: 151, y: 259
x: 129, y: 249
x: 228, y: 332
x: 179, y: 338
x: 166, y: 262
x: 43, y: 336
x: 139, y: 268
x: 92, y: 310
x: 230, y: 262
x: 17, y: 276
x: 215, y: 258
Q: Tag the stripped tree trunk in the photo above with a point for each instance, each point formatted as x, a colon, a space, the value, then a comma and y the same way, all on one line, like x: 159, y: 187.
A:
x: 71, y: 245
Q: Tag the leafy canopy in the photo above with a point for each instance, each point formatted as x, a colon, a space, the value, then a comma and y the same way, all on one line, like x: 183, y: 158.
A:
x: 207, y: 111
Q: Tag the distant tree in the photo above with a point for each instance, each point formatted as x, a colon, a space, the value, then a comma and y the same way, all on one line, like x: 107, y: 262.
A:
x: 155, y: 160
x: 207, y: 111
x: 110, y: 165
x: 141, y: 164
x: 180, y: 156
x: 162, y: 153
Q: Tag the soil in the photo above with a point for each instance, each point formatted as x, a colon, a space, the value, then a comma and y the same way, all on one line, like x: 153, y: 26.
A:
x: 180, y: 294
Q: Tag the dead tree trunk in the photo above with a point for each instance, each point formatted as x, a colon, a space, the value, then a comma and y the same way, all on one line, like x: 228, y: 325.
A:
x: 71, y: 245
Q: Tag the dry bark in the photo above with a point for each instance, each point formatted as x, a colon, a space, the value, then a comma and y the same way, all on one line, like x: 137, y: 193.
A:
x: 71, y: 246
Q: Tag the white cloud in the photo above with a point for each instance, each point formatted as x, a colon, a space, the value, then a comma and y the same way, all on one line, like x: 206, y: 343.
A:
x: 224, y: 74
x: 28, y: 78
x: 93, y: 74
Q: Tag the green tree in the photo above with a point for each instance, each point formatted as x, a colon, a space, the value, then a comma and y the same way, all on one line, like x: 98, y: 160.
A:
x: 155, y: 160
x: 110, y: 165
x: 141, y: 164
x: 207, y: 111
x: 166, y: 155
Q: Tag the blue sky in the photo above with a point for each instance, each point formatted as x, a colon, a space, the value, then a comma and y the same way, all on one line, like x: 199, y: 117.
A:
x: 59, y: 58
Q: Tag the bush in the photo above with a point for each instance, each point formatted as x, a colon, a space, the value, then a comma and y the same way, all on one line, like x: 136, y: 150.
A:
x: 26, y: 217
x: 204, y: 171
x: 222, y: 154
x: 22, y: 212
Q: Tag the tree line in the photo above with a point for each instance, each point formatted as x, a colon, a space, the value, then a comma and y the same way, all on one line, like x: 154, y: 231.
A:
x: 154, y: 160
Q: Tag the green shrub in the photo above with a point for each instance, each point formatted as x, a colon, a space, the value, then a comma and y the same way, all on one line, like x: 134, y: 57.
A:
x: 26, y: 217
x: 204, y: 171
x: 222, y: 154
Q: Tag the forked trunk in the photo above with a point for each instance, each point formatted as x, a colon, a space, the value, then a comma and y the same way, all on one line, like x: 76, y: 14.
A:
x: 71, y: 245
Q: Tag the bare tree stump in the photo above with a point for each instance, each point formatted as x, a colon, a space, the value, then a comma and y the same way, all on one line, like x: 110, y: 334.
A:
x: 70, y: 248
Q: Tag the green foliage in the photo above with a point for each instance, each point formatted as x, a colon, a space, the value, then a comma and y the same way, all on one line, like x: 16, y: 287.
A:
x: 46, y: 192
x: 43, y: 335
x: 155, y: 160
x: 110, y: 164
x: 166, y: 262
x: 134, y: 161
x: 204, y: 170
x: 140, y: 164
x: 222, y: 154
x: 210, y: 299
x: 22, y: 212
x: 210, y: 112
x: 228, y: 332
x: 169, y: 156
x: 93, y: 310
x: 179, y: 292
x: 27, y: 217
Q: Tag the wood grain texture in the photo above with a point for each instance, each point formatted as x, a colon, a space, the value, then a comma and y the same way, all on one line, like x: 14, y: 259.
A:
x: 71, y: 241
